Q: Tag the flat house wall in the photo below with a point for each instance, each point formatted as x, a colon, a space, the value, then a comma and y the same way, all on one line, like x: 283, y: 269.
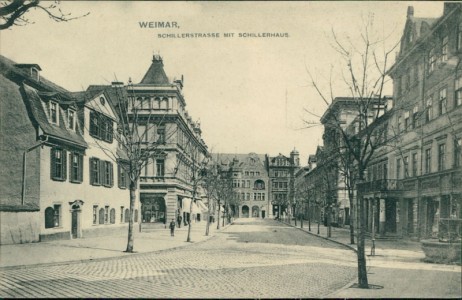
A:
x: 19, y: 227
x: 65, y: 193
x: 17, y: 134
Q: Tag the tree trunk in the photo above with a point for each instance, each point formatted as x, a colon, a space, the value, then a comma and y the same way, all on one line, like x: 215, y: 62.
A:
x: 218, y: 216
x: 130, y: 241
x: 207, y: 228
x: 362, y: 270
x: 309, y: 217
x: 190, y: 212
x: 352, y: 228
x: 329, y: 225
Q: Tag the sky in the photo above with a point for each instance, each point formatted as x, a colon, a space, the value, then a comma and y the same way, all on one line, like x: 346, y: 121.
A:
x: 250, y: 94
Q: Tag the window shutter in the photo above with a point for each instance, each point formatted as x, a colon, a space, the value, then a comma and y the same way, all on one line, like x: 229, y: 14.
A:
x: 52, y: 163
x: 91, y: 169
x: 71, y: 169
x: 64, y: 164
x: 80, y: 168
x: 111, y: 168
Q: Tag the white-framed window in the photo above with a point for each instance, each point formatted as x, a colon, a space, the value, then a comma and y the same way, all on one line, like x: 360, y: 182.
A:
x: 444, y: 49
x: 429, y: 109
x: 459, y: 37
x: 54, y: 112
x: 458, y: 91
x: 406, y: 120
x: 415, y: 116
x: 71, y: 119
x: 431, y: 60
x: 443, y: 101
x: 53, y: 216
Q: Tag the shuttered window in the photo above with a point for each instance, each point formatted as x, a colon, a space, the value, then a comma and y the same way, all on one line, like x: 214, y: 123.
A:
x: 122, y: 176
x: 95, y: 171
x: 58, y: 164
x: 101, y: 127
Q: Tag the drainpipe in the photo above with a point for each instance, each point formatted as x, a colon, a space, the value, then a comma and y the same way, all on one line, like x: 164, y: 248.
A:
x: 24, y: 167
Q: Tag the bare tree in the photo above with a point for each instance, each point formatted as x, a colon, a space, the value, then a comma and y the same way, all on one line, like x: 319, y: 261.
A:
x: 13, y: 12
x: 138, y: 146
x: 364, y: 68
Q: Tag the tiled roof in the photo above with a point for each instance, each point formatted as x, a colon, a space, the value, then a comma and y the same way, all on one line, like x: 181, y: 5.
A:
x: 32, y: 94
x: 155, y: 73
x: 227, y: 158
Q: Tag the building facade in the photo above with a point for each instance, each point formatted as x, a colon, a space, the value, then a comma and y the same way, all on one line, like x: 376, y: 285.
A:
x: 168, y: 182
x: 57, y: 181
x: 414, y: 182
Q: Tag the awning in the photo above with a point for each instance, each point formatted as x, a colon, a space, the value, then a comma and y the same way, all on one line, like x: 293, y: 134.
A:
x: 186, y: 205
x: 202, y: 206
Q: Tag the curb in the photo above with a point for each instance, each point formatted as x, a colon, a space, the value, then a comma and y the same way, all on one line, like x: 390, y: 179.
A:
x: 325, y: 238
x: 124, y: 255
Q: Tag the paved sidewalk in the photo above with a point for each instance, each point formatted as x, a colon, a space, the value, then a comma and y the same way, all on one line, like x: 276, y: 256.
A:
x: 396, y: 270
x: 97, y: 248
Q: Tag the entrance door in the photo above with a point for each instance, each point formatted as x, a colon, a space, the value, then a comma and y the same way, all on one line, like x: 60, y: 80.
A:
x: 74, y: 225
x: 262, y: 214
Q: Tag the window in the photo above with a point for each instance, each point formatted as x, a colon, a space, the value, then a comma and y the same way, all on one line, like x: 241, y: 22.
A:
x: 108, y: 179
x: 431, y: 60
x: 442, y: 105
x: 414, y: 164
x: 400, y: 124
x: 429, y: 109
x: 444, y: 49
x: 127, y: 215
x: 385, y: 170
x: 259, y: 185
x: 457, y: 152
x: 441, y: 156
x: 398, y: 86
x: 112, y: 217
x: 428, y: 161
x: 458, y: 93
x: 101, y: 127
x: 121, y: 214
x: 161, y: 135
x: 53, y: 216
x: 406, y: 120
x: 254, y: 196
x: 122, y: 176
x: 95, y: 171
x: 415, y: 117
x: 398, y: 168
x: 246, y: 173
x: 101, y: 216
x: 106, y: 214
x: 95, y: 214
x: 58, y: 164
x: 459, y: 37
x: 406, y: 166
x: 408, y: 80
x: 53, y: 112
x: 263, y: 196
x: 76, y: 167
x: 160, y: 168
x: 57, y: 215
x: 71, y: 119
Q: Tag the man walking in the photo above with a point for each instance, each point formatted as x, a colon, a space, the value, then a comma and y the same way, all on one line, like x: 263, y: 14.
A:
x: 172, y: 228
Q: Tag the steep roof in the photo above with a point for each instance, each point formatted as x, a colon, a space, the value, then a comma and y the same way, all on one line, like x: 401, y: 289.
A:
x: 32, y: 93
x: 155, y: 73
x: 228, y: 158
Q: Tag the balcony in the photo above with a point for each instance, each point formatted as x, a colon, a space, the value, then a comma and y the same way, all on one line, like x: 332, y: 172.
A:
x: 380, y: 185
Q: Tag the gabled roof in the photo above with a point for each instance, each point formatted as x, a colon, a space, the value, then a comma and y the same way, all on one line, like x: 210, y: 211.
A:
x: 242, y: 159
x: 155, y: 73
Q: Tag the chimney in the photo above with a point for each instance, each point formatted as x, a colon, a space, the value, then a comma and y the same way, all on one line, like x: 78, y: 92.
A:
x: 410, y: 11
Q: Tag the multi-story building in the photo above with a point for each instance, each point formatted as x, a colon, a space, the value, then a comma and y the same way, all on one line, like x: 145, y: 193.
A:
x: 250, y: 183
x: 157, y: 106
x: 282, y: 170
x: 57, y: 180
x: 415, y: 180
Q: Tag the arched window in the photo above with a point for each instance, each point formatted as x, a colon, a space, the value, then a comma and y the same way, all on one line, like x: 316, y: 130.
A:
x: 49, y: 217
x: 259, y: 185
x: 139, y: 102
x: 156, y: 103
x: 101, y: 216
x: 164, y: 103
x: 127, y: 215
x: 136, y: 216
x: 112, y: 215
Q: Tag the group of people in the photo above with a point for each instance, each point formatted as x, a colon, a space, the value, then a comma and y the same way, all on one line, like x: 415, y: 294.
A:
x: 172, y: 225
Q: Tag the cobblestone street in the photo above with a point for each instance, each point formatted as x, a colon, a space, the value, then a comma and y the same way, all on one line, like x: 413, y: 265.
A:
x: 252, y: 258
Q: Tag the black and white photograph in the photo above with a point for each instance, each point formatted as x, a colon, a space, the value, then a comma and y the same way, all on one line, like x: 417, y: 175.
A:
x: 230, y: 149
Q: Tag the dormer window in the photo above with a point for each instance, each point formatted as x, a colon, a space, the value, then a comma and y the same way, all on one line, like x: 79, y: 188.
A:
x: 71, y: 119
x: 34, y: 73
x: 54, y: 112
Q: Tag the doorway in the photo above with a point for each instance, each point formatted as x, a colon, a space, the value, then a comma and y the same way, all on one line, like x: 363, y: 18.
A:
x: 262, y: 214
x: 76, y: 209
x: 245, y: 211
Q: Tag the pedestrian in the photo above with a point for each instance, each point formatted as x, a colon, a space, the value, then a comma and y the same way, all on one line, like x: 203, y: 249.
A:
x: 172, y: 228
x: 180, y: 218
